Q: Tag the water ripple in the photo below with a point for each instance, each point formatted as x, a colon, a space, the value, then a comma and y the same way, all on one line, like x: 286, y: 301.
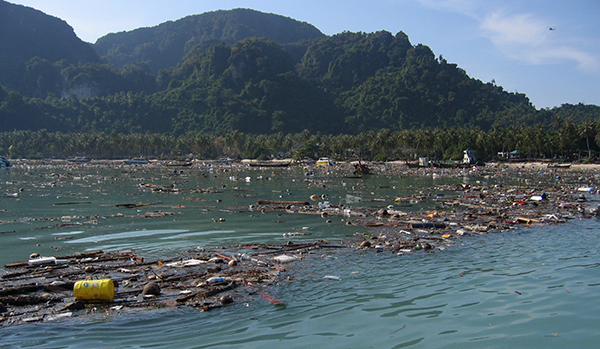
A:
x: 528, y: 287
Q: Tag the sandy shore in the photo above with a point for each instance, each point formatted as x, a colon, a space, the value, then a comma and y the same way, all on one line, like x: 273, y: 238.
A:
x: 525, y: 164
x: 542, y: 165
x: 491, y: 164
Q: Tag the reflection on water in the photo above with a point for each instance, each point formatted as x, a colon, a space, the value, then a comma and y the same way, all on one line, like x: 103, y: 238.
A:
x: 125, y: 235
x: 533, y: 287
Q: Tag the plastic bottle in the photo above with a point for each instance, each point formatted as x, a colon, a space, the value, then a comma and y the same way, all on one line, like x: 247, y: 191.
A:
x: 245, y: 257
x: 216, y: 280
x: 42, y: 260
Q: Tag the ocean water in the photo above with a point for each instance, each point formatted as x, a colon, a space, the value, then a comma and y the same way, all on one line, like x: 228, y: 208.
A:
x: 527, y: 287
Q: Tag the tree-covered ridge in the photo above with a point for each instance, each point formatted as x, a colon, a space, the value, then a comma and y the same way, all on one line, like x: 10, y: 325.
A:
x: 26, y: 33
x: 348, y: 83
x: 345, y: 59
x: 256, y: 86
x: 386, y: 82
x: 165, y: 45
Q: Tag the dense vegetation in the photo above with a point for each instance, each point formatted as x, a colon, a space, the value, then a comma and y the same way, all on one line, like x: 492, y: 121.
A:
x: 347, y: 83
x: 218, y: 76
x: 267, y: 83
x: 165, y: 45
x: 564, y: 140
x: 26, y: 33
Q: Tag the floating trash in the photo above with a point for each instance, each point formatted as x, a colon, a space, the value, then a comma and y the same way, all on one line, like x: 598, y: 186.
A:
x: 332, y: 277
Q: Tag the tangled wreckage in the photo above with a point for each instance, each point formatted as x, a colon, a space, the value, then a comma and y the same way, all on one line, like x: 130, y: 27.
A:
x: 46, y: 288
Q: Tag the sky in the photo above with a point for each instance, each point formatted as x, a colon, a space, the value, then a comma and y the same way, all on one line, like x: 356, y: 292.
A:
x: 548, y: 50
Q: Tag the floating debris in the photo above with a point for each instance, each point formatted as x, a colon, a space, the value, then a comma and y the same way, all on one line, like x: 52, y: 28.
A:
x: 42, y: 288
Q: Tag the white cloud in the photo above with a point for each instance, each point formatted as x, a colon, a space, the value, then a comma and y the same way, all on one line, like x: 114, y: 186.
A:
x: 529, y: 39
x: 556, y: 54
x: 520, y: 29
x: 521, y: 35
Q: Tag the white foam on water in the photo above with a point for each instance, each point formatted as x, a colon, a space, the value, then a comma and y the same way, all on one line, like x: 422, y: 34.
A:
x: 197, y: 233
x: 125, y: 235
x: 69, y: 233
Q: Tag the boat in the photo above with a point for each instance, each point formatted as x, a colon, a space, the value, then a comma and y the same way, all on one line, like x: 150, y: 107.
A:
x: 324, y: 162
x: 413, y: 165
x: 179, y: 163
x: 269, y: 163
x: 136, y: 162
x: 5, y: 163
x: 78, y: 160
x: 563, y: 165
x: 423, y: 162
x: 361, y: 169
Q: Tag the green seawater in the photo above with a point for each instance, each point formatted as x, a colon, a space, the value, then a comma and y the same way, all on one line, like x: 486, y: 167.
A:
x: 527, y: 287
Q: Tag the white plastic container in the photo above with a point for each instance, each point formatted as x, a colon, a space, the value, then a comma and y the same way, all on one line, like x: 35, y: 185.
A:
x: 42, y: 261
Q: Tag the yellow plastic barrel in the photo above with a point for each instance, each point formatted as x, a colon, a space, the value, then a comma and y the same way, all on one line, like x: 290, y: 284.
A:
x: 94, y: 290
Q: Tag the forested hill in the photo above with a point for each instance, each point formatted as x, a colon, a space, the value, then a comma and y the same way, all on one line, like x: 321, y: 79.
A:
x: 26, y: 33
x: 165, y: 45
x: 349, y: 82
x: 250, y: 72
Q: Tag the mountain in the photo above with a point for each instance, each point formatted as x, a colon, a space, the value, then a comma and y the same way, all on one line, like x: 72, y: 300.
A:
x: 242, y: 71
x: 165, y: 45
x: 26, y: 33
x: 346, y: 83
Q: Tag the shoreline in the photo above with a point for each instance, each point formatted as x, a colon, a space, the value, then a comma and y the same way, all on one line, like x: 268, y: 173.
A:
x: 285, y: 162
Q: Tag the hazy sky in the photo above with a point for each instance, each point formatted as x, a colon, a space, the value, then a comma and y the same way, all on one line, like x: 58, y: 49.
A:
x: 509, y: 41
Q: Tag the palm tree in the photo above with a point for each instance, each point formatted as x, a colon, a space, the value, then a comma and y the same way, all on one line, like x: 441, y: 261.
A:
x: 587, y: 130
x: 568, y: 136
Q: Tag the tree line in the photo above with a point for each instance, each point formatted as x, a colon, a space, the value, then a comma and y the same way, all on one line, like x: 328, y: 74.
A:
x: 565, y: 139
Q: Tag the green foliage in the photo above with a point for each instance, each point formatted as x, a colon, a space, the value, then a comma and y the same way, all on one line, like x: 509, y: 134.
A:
x: 309, y: 150
x: 453, y: 153
x: 27, y: 33
x: 165, y: 45
x: 380, y: 157
x: 253, y: 60
x: 246, y: 72
x: 13, y: 152
x: 570, y: 141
